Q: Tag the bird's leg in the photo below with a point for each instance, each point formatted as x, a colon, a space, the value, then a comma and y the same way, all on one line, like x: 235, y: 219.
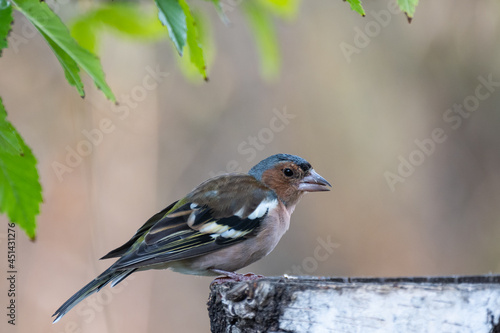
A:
x: 234, y: 277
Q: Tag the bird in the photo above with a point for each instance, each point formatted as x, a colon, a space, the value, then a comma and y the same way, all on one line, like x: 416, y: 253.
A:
x: 224, y: 224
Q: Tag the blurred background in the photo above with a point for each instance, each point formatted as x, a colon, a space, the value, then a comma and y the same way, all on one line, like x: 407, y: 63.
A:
x: 402, y: 119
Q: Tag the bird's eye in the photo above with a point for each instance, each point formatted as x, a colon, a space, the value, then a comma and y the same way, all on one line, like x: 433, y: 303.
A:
x: 288, y: 172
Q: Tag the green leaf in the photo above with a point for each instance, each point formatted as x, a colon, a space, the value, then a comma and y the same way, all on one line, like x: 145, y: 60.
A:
x: 206, y: 39
x: 64, y: 46
x: 5, y: 22
x: 9, y: 141
x: 356, y: 6
x: 195, y: 50
x: 408, y: 7
x: 20, y: 189
x: 85, y: 32
x: 130, y: 20
x: 282, y: 8
x: 127, y: 19
x: 70, y: 67
x: 173, y: 17
x: 262, y: 26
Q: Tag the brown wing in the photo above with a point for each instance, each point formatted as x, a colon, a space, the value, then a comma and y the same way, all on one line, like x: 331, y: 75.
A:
x: 221, y: 211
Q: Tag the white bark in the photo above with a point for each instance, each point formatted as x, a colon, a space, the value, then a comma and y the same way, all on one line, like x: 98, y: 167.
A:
x: 466, y: 304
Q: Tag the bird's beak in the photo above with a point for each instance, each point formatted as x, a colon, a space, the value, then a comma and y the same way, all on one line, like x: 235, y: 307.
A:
x: 313, y: 182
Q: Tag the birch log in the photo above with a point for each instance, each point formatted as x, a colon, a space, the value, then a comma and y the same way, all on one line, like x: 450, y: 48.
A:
x: 368, y: 305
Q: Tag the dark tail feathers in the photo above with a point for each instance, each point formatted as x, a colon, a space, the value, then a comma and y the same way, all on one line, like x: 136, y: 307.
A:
x: 92, y: 287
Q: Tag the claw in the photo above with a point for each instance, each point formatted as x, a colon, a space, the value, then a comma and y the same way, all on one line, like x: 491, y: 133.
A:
x: 234, y: 277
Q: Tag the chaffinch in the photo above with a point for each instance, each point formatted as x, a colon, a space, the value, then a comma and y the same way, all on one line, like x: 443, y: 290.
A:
x: 223, y: 225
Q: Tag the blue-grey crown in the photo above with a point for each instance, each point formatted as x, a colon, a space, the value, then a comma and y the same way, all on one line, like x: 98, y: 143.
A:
x: 271, y: 161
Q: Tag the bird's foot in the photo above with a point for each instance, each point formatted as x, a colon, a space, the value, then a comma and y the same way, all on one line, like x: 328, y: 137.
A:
x: 234, y: 277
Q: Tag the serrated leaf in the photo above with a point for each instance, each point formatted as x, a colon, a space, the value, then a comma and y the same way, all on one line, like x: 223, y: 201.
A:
x: 70, y: 67
x: 9, y: 142
x: 56, y: 34
x: 206, y: 38
x: 173, y: 17
x: 20, y: 189
x: 262, y: 26
x: 5, y: 22
x: 356, y: 6
x: 408, y: 7
x: 195, y: 50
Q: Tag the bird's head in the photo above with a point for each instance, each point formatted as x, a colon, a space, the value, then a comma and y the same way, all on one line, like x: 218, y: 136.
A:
x: 289, y: 176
